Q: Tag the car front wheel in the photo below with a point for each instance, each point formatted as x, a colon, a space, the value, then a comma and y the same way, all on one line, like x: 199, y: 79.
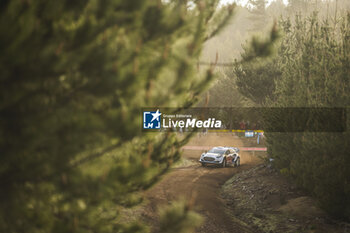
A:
x: 223, y: 163
x: 238, y: 162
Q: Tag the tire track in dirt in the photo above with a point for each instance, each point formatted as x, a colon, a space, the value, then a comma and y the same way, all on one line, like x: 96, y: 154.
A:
x: 201, y: 183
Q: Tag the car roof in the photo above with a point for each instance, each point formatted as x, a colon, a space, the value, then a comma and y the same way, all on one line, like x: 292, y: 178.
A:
x: 225, y: 148
x: 218, y: 148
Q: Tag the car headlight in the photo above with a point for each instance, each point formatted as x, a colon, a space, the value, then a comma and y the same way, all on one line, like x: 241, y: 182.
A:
x: 219, y: 156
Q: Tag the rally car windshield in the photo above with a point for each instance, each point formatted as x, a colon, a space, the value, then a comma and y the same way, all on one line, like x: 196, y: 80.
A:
x: 217, y: 151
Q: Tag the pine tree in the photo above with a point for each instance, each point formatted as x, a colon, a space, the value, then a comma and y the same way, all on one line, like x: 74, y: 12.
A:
x: 74, y: 76
x: 255, y: 76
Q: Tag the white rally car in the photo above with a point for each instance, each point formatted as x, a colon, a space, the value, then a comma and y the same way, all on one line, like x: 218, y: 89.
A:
x: 222, y: 156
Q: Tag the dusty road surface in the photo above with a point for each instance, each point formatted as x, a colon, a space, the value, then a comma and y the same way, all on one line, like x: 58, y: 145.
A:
x: 202, y: 185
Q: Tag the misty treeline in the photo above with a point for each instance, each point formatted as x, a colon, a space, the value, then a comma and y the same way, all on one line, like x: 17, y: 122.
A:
x: 311, y: 69
x: 254, y: 20
x: 73, y: 78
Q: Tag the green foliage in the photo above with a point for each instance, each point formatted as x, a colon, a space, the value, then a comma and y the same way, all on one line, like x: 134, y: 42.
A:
x: 74, y: 75
x: 224, y: 93
x: 316, y: 73
x: 255, y: 77
x: 313, y: 66
x: 179, y: 218
x: 261, y: 47
x: 258, y: 83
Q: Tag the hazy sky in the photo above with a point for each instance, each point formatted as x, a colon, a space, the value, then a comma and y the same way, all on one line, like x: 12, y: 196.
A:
x: 244, y: 2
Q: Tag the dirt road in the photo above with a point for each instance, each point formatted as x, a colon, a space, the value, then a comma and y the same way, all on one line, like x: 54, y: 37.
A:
x: 257, y: 200
x: 202, y: 184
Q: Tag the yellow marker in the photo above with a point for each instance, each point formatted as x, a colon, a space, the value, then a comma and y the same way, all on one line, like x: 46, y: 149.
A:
x: 218, y: 130
x: 259, y: 131
x: 235, y: 130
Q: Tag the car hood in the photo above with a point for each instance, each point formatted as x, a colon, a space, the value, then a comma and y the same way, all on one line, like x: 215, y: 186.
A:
x: 211, y: 155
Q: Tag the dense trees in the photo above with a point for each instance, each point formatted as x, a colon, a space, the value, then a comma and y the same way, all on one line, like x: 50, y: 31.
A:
x: 311, y: 69
x: 316, y: 74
